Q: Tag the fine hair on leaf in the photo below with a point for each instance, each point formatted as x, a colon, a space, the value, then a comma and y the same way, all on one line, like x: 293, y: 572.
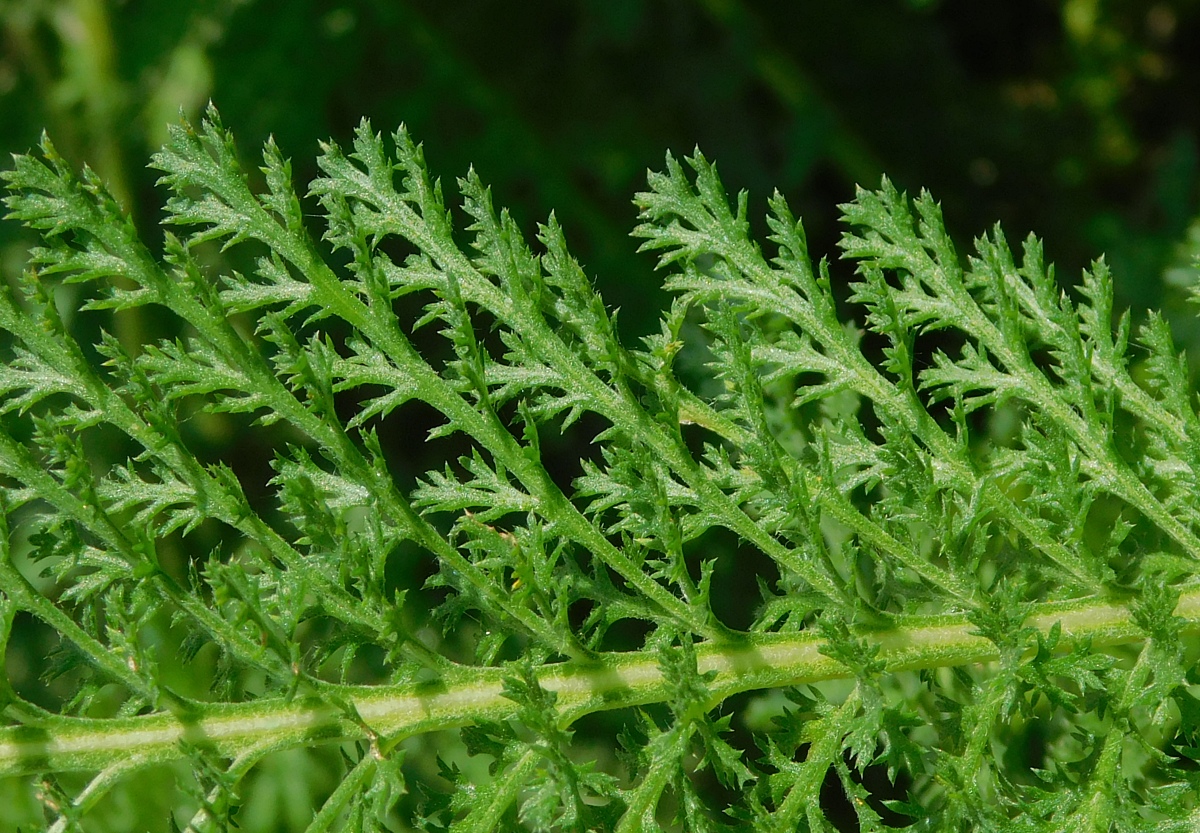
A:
x: 370, y: 516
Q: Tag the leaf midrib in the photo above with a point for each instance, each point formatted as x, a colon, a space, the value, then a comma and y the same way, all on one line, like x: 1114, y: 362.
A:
x: 471, y: 696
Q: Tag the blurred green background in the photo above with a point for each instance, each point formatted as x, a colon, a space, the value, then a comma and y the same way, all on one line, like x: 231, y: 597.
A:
x: 1076, y: 120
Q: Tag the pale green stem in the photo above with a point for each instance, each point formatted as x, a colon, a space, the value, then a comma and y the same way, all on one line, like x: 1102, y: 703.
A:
x: 469, y: 696
x: 820, y: 757
x: 95, y: 792
x: 90, y: 70
x: 643, y: 801
x: 487, y: 814
x: 352, y: 787
x: 237, y: 770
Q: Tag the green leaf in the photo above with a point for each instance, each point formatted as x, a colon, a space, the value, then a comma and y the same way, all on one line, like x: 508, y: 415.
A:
x: 790, y: 520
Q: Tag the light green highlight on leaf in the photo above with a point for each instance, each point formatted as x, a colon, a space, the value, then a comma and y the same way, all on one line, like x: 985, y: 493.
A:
x: 796, y: 485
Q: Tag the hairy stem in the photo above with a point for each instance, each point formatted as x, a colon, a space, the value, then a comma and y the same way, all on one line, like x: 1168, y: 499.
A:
x: 469, y: 696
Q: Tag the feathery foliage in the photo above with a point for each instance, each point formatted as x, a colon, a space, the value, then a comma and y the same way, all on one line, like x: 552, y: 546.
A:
x: 963, y: 498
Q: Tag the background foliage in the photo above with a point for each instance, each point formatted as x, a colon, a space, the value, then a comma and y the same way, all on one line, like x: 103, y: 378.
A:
x: 1078, y: 120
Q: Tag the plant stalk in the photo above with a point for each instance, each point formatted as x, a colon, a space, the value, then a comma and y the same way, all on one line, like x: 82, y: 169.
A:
x: 469, y: 696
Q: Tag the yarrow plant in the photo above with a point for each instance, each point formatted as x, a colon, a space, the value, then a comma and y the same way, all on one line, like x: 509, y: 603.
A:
x: 913, y: 549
